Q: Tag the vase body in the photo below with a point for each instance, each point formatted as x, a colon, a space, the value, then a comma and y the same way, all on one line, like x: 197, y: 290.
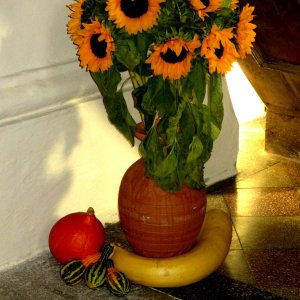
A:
x: 157, y: 223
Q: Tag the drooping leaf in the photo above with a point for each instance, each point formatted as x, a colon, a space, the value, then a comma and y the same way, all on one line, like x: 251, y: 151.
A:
x: 137, y: 95
x: 119, y: 115
x: 143, y: 42
x: 198, y: 82
x: 114, y: 102
x: 202, y: 120
x: 194, y: 178
x: 215, y: 102
x: 152, y: 151
x: 166, y: 166
x: 166, y: 173
x: 215, y: 131
x: 126, y: 53
x: 107, y: 82
x: 159, y: 97
x: 195, y: 150
x: 173, y: 125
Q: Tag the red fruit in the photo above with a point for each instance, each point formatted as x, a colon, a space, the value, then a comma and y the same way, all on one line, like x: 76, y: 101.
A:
x: 76, y: 236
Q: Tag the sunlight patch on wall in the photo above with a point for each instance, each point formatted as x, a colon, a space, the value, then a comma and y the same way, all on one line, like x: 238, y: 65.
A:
x: 246, y: 103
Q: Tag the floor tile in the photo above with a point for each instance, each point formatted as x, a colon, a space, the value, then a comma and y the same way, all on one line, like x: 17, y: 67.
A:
x: 273, y: 176
x: 293, y: 169
x: 236, y: 267
x: 217, y: 286
x: 275, y: 268
x: 252, y: 158
x: 287, y: 293
x: 263, y: 202
x: 216, y: 201
x: 235, y: 241
x: 268, y: 232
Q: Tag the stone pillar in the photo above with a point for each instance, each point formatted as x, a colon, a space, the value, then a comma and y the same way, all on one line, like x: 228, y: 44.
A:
x: 280, y: 92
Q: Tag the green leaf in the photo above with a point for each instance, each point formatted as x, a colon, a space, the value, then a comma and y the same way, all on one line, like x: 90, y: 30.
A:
x: 195, y: 148
x: 215, y: 131
x: 197, y: 78
x: 166, y: 173
x: 195, y: 175
x: 119, y: 115
x: 143, y: 41
x: 167, y: 166
x: 114, y: 102
x: 126, y: 53
x: 152, y: 151
x: 215, y: 99
x: 107, y: 82
x: 173, y: 125
x: 159, y: 97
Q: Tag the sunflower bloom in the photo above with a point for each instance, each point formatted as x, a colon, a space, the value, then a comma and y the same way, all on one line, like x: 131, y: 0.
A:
x: 218, y: 49
x: 95, y: 47
x: 75, y: 24
x: 205, y: 6
x: 173, y: 59
x: 245, y: 31
x: 134, y: 15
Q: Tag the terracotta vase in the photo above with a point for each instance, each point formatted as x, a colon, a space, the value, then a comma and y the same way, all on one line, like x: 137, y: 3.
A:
x: 157, y: 223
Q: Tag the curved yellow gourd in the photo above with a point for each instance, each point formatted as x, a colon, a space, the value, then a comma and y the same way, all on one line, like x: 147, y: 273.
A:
x: 206, y: 256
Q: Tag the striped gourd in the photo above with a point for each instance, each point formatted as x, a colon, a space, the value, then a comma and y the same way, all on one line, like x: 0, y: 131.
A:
x: 72, y: 272
x: 95, y: 275
x: 118, y: 283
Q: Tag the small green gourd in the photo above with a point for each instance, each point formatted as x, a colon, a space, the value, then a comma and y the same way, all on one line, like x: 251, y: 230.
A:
x: 95, y: 275
x: 72, y: 272
x: 118, y: 283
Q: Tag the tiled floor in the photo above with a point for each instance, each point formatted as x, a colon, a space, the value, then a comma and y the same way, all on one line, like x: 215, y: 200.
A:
x: 264, y: 203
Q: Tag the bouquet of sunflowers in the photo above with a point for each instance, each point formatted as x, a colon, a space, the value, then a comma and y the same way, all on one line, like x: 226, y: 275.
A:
x: 175, y: 53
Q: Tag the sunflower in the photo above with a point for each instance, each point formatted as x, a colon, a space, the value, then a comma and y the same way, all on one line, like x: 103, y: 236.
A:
x: 219, y: 50
x: 134, y: 15
x: 173, y: 59
x: 95, y: 47
x: 75, y: 25
x: 204, y: 7
x: 245, y: 35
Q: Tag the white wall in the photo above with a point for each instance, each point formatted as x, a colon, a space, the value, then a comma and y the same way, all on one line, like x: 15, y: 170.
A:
x: 58, y: 152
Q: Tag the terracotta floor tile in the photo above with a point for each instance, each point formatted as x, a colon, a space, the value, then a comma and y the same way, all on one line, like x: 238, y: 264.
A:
x: 268, y: 232
x: 275, y: 268
x: 273, y: 176
x: 263, y: 202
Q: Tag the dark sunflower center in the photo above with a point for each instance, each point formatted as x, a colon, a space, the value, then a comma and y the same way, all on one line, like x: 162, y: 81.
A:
x: 205, y: 2
x: 134, y: 8
x: 98, y: 48
x: 171, y: 57
x: 219, y: 52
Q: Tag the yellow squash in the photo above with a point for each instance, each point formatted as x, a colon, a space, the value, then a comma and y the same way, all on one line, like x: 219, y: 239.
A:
x: 206, y: 256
